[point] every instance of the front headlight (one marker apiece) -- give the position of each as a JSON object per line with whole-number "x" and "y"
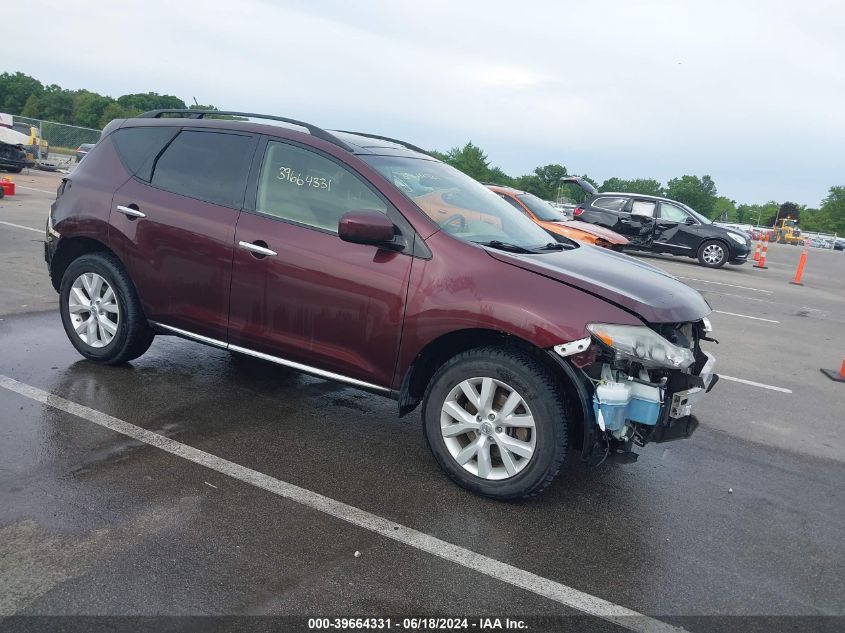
{"x": 642, "y": 344}
{"x": 737, "y": 238}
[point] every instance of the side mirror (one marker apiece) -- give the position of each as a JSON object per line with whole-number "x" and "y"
{"x": 365, "y": 227}
{"x": 690, "y": 222}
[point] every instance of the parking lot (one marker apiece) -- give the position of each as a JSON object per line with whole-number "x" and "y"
{"x": 196, "y": 483}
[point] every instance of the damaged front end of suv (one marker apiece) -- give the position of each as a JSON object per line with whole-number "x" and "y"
{"x": 644, "y": 383}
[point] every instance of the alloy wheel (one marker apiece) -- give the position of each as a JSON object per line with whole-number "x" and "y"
{"x": 93, "y": 310}
{"x": 488, "y": 428}
{"x": 713, "y": 254}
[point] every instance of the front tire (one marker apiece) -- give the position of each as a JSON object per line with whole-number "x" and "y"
{"x": 496, "y": 422}
{"x": 100, "y": 310}
{"x": 713, "y": 254}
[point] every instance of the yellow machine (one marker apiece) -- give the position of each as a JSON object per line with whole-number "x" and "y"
{"x": 786, "y": 231}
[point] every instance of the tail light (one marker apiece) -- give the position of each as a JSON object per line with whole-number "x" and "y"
{"x": 578, "y": 211}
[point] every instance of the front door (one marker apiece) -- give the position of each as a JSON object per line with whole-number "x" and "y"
{"x": 173, "y": 226}
{"x": 672, "y": 234}
{"x": 300, "y": 293}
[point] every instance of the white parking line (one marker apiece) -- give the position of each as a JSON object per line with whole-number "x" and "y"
{"x": 719, "y": 283}
{"x": 456, "y": 554}
{"x": 755, "y": 384}
{"x": 52, "y": 193}
{"x": 745, "y": 316}
{"x": 21, "y": 226}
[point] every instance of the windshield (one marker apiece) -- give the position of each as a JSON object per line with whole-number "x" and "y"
{"x": 542, "y": 209}
{"x": 458, "y": 204}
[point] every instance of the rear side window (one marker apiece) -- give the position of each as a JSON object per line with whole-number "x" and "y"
{"x": 138, "y": 147}
{"x": 643, "y": 207}
{"x": 304, "y": 187}
{"x": 610, "y": 204}
{"x": 209, "y": 166}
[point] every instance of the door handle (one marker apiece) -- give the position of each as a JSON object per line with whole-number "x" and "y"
{"x": 132, "y": 213}
{"x": 257, "y": 248}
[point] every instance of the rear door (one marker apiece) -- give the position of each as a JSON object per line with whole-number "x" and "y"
{"x": 672, "y": 234}
{"x": 637, "y": 222}
{"x": 173, "y": 226}
{"x": 299, "y": 293}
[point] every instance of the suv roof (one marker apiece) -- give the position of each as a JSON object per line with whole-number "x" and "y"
{"x": 354, "y": 142}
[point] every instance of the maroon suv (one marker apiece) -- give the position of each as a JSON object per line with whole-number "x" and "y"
{"x": 364, "y": 260}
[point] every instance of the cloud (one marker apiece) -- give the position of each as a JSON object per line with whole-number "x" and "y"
{"x": 750, "y": 93}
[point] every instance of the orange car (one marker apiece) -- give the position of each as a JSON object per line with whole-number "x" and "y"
{"x": 555, "y": 222}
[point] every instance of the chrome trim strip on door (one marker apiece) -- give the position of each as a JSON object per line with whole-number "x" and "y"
{"x": 255, "y": 248}
{"x": 308, "y": 369}
{"x": 689, "y": 248}
{"x": 130, "y": 212}
{"x": 191, "y": 335}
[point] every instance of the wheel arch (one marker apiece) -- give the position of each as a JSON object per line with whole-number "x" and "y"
{"x": 441, "y": 349}
{"x": 68, "y": 250}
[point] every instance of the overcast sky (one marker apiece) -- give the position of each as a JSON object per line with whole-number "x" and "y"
{"x": 752, "y": 93}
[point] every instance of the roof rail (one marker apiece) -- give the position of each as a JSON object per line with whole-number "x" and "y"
{"x": 199, "y": 114}
{"x": 391, "y": 140}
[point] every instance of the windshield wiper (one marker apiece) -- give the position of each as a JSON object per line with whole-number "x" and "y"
{"x": 505, "y": 246}
{"x": 556, "y": 246}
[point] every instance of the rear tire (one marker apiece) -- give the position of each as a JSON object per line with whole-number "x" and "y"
{"x": 486, "y": 444}
{"x": 713, "y": 254}
{"x": 100, "y": 310}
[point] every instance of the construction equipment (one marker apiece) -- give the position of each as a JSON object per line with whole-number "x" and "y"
{"x": 786, "y": 231}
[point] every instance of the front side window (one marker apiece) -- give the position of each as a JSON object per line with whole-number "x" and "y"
{"x": 511, "y": 202}
{"x": 610, "y": 204}
{"x": 208, "y": 166}
{"x": 301, "y": 186}
{"x": 672, "y": 212}
{"x": 643, "y": 207}
{"x": 460, "y": 205}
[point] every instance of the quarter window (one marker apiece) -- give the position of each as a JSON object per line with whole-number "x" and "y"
{"x": 304, "y": 187}
{"x": 643, "y": 207}
{"x": 138, "y": 146}
{"x": 672, "y": 212}
{"x": 209, "y": 166}
{"x": 610, "y": 204}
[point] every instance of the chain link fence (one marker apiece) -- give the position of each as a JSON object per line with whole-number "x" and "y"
{"x": 54, "y": 142}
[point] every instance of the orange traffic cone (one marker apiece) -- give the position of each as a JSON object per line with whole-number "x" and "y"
{"x": 802, "y": 261}
{"x": 831, "y": 373}
{"x": 757, "y": 249}
{"x": 761, "y": 263}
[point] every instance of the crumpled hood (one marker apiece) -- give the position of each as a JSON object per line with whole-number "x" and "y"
{"x": 653, "y": 295}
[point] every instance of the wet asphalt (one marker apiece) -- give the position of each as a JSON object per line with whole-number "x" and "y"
{"x": 744, "y": 519}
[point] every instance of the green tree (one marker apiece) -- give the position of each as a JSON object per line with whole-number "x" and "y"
{"x": 499, "y": 177}
{"x": 763, "y": 214}
{"x": 645, "y": 186}
{"x": 831, "y": 215}
{"x": 143, "y": 102}
{"x": 89, "y": 107}
{"x": 32, "y": 107}
{"x": 16, "y": 89}
{"x": 57, "y": 104}
{"x": 471, "y": 160}
{"x": 725, "y": 210}
{"x": 695, "y": 192}
{"x": 547, "y": 184}
{"x": 111, "y": 112}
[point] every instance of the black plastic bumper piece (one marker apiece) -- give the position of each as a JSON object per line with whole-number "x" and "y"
{"x": 675, "y": 429}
